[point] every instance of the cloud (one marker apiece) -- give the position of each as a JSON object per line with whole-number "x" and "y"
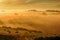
{"x": 32, "y": 4}
{"x": 23, "y": 2}
{"x": 36, "y": 1}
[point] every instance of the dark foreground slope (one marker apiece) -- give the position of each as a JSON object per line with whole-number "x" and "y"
{"x": 8, "y": 33}
{"x": 30, "y": 26}
{"x": 11, "y": 37}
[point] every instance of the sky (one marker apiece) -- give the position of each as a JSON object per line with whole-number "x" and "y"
{"x": 30, "y": 4}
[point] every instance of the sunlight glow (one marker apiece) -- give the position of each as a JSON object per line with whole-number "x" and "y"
{"x": 1, "y": 0}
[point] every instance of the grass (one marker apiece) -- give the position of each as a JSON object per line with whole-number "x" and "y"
{"x": 23, "y": 34}
{"x": 15, "y": 32}
{"x": 49, "y": 25}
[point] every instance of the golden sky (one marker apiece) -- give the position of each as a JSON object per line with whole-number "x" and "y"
{"x": 30, "y": 4}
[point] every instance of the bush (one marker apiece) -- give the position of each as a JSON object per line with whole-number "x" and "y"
{"x": 7, "y": 37}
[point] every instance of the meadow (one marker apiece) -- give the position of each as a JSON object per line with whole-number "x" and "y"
{"x": 30, "y": 25}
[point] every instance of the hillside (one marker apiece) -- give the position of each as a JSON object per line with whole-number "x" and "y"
{"x": 46, "y": 22}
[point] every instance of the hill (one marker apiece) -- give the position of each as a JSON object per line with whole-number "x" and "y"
{"x": 31, "y": 20}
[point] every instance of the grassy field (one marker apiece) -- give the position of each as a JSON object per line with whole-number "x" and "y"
{"x": 8, "y": 33}
{"x": 31, "y": 24}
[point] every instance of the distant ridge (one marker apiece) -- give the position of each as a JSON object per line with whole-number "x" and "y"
{"x": 53, "y": 10}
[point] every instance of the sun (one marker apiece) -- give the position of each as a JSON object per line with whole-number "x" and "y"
{"x": 2, "y": 0}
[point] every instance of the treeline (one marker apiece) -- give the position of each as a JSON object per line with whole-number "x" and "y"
{"x": 16, "y": 37}
{"x": 7, "y": 27}
{"x": 24, "y": 34}
{"x": 52, "y": 10}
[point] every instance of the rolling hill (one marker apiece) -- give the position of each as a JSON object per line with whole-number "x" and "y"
{"x": 47, "y": 22}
